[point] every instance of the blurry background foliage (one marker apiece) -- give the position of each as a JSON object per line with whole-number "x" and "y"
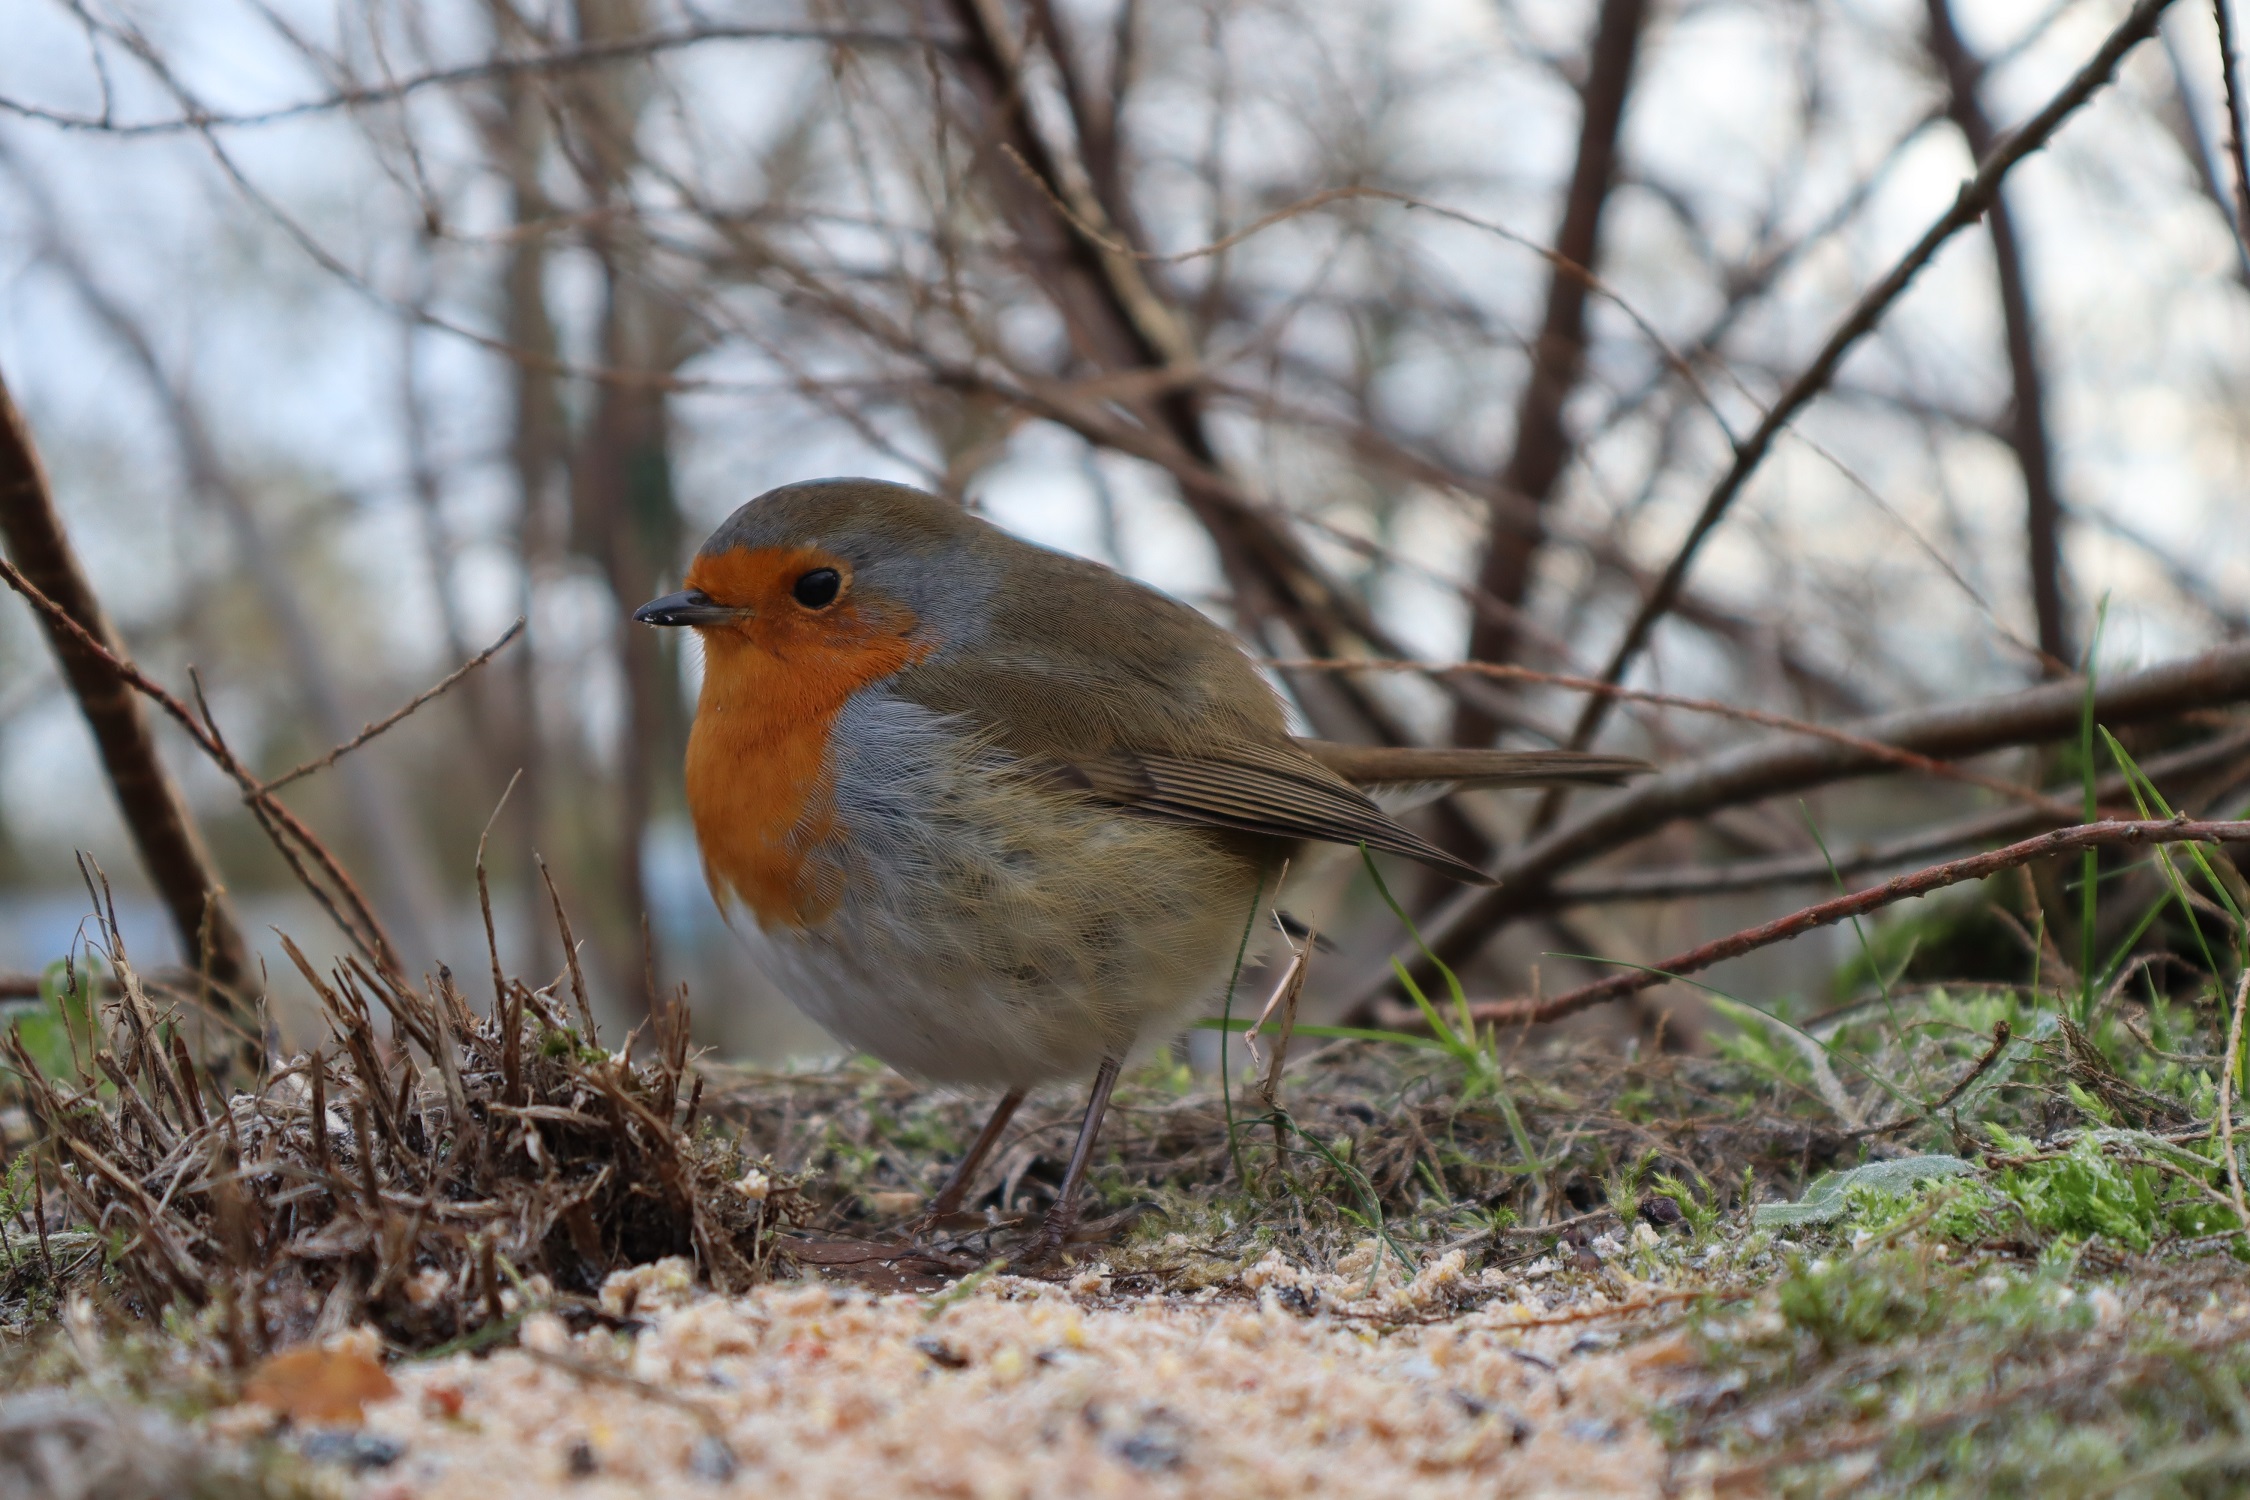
{"x": 351, "y": 329}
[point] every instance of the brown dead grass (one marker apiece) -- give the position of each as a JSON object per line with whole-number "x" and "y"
{"x": 401, "y": 1176}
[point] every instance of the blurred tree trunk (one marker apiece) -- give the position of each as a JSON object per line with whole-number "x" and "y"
{"x": 1543, "y": 445}
{"x": 2027, "y": 417}
{"x": 1118, "y": 319}
{"x": 625, "y": 515}
{"x": 1543, "y": 442}
{"x": 380, "y": 813}
{"x": 629, "y": 522}
{"x": 517, "y": 135}
{"x": 163, "y": 830}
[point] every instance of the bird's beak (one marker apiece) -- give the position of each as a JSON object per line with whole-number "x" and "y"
{"x": 687, "y": 607}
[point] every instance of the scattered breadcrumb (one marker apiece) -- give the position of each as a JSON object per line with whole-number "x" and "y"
{"x": 1017, "y": 1388}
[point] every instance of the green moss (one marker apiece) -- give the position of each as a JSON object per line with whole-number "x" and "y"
{"x": 1846, "y": 1303}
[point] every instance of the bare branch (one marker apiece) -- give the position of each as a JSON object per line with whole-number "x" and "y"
{"x": 285, "y": 828}
{"x": 559, "y": 61}
{"x": 373, "y": 798}
{"x": 2183, "y": 116}
{"x": 1542, "y": 443}
{"x": 322, "y": 762}
{"x": 2228, "y": 751}
{"x": 93, "y": 662}
{"x": 1843, "y": 908}
{"x": 1893, "y": 755}
{"x": 2238, "y": 135}
{"x": 1770, "y": 767}
{"x": 2027, "y": 417}
{"x": 1970, "y": 204}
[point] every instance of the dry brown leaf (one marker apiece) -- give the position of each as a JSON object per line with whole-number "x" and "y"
{"x": 319, "y": 1387}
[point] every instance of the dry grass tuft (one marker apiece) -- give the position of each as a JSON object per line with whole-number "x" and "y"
{"x": 416, "y": 1172}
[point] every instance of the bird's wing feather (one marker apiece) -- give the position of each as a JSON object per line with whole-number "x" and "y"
{"x": 1159, "y": 711}
{"x": 1256, "y": 794}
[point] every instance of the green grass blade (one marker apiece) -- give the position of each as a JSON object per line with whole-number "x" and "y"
{"x": 2089, "y": 864}
{"x": 1466, "y": 1040}
{"x": 2152, "y": 805}
{"x": 1803, "y": 1040}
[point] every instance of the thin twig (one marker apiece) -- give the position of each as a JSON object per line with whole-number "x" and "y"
{"x": 1969, "y": 205}
{"x": 570, "y": 946}
{"x": 87, "y": 649}
{"x": 1286, "y": 994}
{"x": 1769, "y": 767}
{"x": 1827, "y": 913}
{"x": 321, "y": 763}
{"x": 484, "y": 901}
{"x": 2238, "y": 149}
{"x": 1559, "y": 1226}
{"x": 1664, "y": 883}
{"x": 1562, "y": 264}
{"x": 2027, "y": 423}
{"x": 280, "y": 824}
{"x": 590, "y": 55}
{"x": 2000, "y": 1034}
{"x": 368, "y": 934}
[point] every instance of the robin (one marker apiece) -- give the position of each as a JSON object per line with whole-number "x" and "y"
{"x": 993, "y": 813}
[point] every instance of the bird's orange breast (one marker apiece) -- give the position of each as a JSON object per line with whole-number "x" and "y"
{"x": 758, "y": 764}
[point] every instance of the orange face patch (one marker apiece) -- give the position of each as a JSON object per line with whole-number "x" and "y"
{"x": 773, "y": 682}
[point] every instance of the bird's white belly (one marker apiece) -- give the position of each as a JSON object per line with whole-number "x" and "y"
{"x": 995, "y": 929}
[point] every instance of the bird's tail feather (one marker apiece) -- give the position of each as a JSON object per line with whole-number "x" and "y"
{"x": 1414, "y": 765}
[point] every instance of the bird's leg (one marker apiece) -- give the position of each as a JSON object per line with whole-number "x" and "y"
{"x": 1063, "y": 1216}
{"x": 948, "y": 1199}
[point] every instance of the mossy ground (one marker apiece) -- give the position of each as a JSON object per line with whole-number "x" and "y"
{"x": 1941, "y": 1241}
{"x": 2066, "y": 1313}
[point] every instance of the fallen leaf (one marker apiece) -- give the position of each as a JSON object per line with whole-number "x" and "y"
{"x": 313, "y": 1386}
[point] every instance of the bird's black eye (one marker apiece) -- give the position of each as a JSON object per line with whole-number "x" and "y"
{"x": 817, "y": 589}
